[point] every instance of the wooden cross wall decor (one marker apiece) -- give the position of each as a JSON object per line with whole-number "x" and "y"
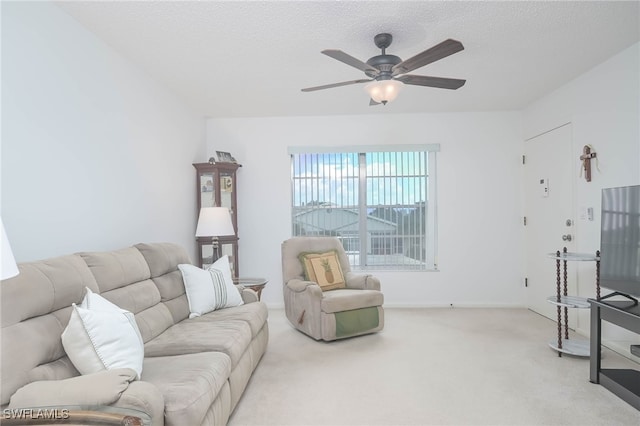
{"x": 586, "y": 157}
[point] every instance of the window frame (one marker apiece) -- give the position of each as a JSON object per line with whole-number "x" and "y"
{"x": 430, "y": 226}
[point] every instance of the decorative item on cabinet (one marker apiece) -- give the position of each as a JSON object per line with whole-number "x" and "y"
{"x": 225, "y": 157}
{"x": 216, "y": 186}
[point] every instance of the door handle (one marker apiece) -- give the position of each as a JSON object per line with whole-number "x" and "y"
{"x": 566, "y": 237}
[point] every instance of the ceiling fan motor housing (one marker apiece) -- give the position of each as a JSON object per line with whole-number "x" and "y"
{"x": 384, "y": 63}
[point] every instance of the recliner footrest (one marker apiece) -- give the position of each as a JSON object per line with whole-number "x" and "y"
{"x": 356, "y": 321}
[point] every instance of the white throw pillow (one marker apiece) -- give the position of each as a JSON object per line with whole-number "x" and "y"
{"x": 101, "y": 336}
{"x": 210, "y": 289}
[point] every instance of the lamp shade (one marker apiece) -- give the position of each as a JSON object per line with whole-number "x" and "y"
{"x": 384, "y": 91}
{"x": 8, "y": 268}
{"x": 214, "y": 222}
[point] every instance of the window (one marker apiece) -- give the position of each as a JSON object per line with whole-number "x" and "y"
{"x": 379, "y": 203}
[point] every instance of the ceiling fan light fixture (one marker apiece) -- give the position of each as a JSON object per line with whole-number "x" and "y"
{"x": 384, "y": 91}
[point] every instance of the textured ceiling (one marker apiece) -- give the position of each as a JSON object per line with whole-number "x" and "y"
{"x": 239, "y": 59}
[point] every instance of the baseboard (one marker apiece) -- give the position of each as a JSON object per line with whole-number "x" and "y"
{"x": 454, "y": 305}
{"x": 430, "y": 305}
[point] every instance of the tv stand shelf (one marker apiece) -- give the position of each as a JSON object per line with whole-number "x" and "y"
{"x": 569, "y": 301}
{"x": 625, "y": 383}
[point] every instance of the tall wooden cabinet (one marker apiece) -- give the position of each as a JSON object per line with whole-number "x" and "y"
{"x": 216, "y": 187}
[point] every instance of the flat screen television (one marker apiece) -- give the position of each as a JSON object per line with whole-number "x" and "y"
{"x": 620, "y": 240}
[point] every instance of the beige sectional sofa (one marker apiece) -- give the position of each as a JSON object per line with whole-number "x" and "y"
{"x": 194, "y": 370}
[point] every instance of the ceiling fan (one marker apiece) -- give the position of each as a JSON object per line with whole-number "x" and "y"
{"x": 388, "y": 73}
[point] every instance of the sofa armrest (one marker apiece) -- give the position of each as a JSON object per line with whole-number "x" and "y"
{"x": 298, "y": 286}
{"x": 75, "y": 415}
{"x": 102, "y": 388}
{"x": 362, "y": 281}
{"x": 145, "y": 397}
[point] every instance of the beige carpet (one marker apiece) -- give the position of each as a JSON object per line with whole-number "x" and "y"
{"x": 430, "y": 367}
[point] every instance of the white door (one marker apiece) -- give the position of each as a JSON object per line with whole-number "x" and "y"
{"x": 549, "y": 174}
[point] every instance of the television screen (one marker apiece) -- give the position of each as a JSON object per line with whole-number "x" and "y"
{"x": 620, "y": 240}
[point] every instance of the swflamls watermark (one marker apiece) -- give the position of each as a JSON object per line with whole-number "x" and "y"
{"x": 35, "y": 413}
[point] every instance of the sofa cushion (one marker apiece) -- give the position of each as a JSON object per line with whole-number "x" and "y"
{"x": 210, "y": 289}
{"x": 102, "y": 388}
{"x": 118, "y": 268}
{"x": 135, "y": 297}
{"x": 163, "y": 260}
{"x": 254, "y": 314}
{"x": 189, "y": 383}
{"x": 43, "y": 287}
{"x": 101, "y": 336}
{"x": 125, "y": 278}
{"x": 143, "y": 299}
{"x": 348, "y": 299}
{"x": 231, "y": 337}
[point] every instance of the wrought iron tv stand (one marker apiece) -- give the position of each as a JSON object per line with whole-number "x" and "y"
{"x": 625, "y": 383}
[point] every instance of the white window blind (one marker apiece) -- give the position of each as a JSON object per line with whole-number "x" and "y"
{"x": 380, "y": 202}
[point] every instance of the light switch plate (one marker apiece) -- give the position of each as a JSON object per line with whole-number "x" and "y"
{"x": 544, "y": 187}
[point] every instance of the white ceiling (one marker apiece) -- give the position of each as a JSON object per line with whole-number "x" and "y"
{"x": 240, "y": 59}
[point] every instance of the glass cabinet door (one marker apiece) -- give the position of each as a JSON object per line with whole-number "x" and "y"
{"x": 206, "y": 255}
{"x": 207, "y": 190}
{"x": 229, "y": 248}
{"x": 227, "y": 186}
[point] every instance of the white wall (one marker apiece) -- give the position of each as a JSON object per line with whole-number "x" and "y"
{"x": 603, "y": 106}
{"x": 95, "y": 155}
{"x": 479, "y": 205}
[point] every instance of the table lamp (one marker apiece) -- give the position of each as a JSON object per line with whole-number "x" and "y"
{"x": 214, "y": 222}
{"x": 8, "y": 268}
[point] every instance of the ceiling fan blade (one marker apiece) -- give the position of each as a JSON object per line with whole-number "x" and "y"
{"x": 440, "y": 82}
{"x": 437, "y": 52}
{"x": 350, "y": 60}
{"x": 329, "y": 86}
{"x": 372, "y": 102}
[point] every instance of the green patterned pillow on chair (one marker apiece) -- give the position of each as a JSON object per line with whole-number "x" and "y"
{"x": 324, "y": 269}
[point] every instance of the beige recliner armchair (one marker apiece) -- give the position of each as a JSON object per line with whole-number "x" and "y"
{"x": 331, "y": 314}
